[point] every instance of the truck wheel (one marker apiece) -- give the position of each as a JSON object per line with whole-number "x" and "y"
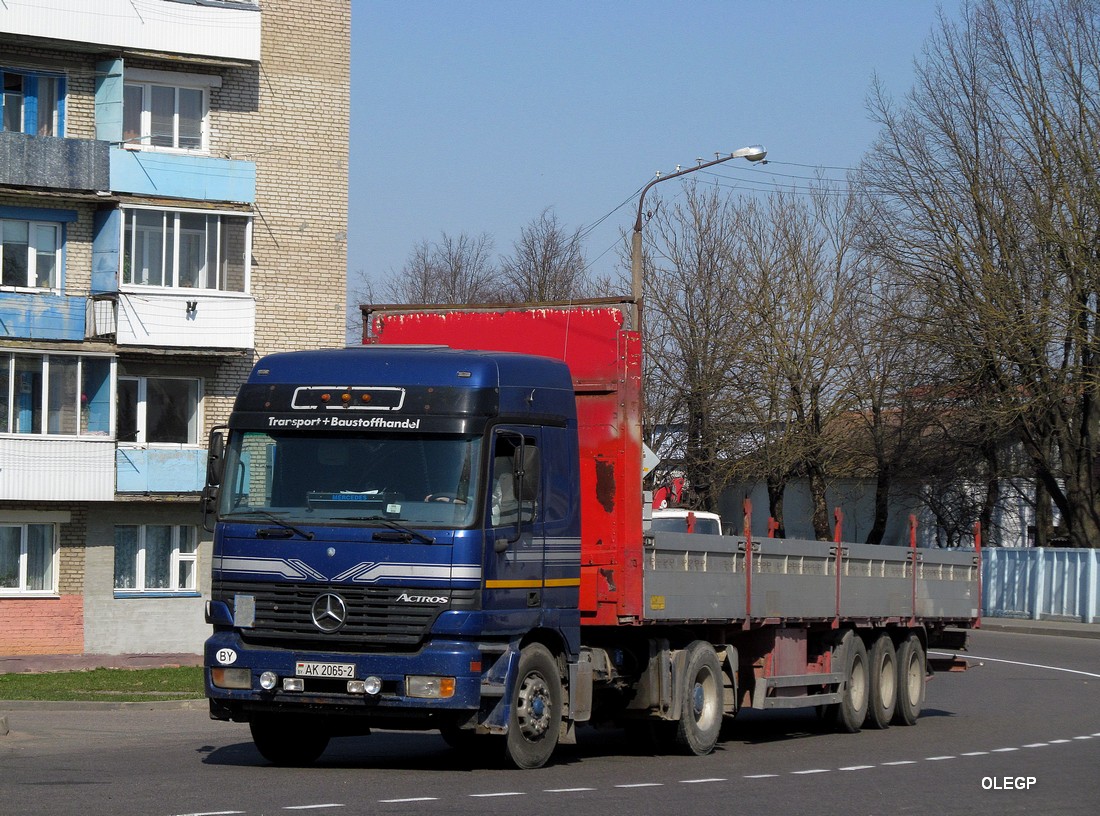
{"x": 910, "y": 681}
{"x": 285, "y": 741}
{"x": 848, "y": 715}
{"x": 701, "y": 701}
{"x": 535, "y": 720}
{"x": 883, "y": 665}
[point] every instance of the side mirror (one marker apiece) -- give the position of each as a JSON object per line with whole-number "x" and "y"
{"x": 209, "y": 503}
{"x": 528, "y": 466}
{"x": 214, "y": 456}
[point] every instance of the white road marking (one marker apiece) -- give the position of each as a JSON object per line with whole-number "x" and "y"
{"x": 1004, "y": 750}
{"x": 975, "y": 753}
{"x": 214, "y": 813}
{"x": 1037, "y": 745}
{"x": 1059, "y": 742}
{"x": 902, "y": 762}
{"x": 857, "y": 767}
{"x": 699, "y": 781}
{"x": 567, "y": 790}
{"x": 761, "y": 776}
{"x": 937, "y": 758}
{"x": 313, "y": 807}
{"x": 502, "y": 793}
{"x": 643, "y": 785}
{"x": 811, "y": 771}
{"x": 1085, "y": 737}
{"x": 1033, "y": 665}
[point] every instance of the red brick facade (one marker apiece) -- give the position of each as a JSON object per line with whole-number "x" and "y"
{"x": 42, "y": 625}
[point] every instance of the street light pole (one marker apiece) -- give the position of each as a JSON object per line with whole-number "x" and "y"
{"x": 754, "y": 153}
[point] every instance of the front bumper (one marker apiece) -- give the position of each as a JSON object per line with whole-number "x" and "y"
{"x": 460, "y": 660}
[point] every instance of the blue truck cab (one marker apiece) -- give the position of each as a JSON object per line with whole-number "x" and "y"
{"x": 396, "y": 544}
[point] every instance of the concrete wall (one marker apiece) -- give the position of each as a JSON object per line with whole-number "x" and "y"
{"x": 135, "y": 625}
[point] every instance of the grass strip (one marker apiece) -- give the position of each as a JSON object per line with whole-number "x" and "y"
{"x": 113, "y": 685}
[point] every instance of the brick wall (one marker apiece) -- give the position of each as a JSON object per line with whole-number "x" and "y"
{"x": 42, "y": 625}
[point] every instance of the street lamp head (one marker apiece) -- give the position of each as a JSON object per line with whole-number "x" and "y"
{"x": 753, "y": 153}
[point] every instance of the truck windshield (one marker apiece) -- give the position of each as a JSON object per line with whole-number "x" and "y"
{"x": 423, "y": 481}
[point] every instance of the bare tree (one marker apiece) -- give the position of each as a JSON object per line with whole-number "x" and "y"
{"x": 547, "y": 263}
{"x": 987, "y": 195}
{"x": 796, "y": 344}
{"x": 456, "y": 269}
{"x": 693, "y": 297}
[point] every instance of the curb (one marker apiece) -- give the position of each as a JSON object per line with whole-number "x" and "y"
{"x": 1030, "y": 627}
{"x": 93, "y": 705}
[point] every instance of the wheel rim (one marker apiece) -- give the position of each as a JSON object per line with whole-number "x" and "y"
{"x": 912, "y": 679}
{"x": 704, "y": 700}
{"x": 533, "y": 707}
{"x": 888, "y": 683}
{"x": 857, "y": 684}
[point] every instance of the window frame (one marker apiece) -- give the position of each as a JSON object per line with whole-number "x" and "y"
{"x": 43, "y": 408}
{"x": 172, "y": 232}
{"x": 33, "y": 252}
{"x": 141, "y": 413}
{"x": 21, "y": 590}
{"x": 31, "y": 96}
{"x": 144, "y": 138}
{"x": 177, "y": 558}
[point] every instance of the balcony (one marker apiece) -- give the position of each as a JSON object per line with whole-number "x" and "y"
{"x": 175, "y": 175}
{"x": 227, "y": 30}
{"x": 34, "y": 315}
{"x": 54, "y": 164}
{"x": 57, "y": 469}
{"x": 156, "y": 470}
{"x": 184, "y": 319}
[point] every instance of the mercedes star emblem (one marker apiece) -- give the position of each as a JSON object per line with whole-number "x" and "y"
{"x": 329, "y": 612}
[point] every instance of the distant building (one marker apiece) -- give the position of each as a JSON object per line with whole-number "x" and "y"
{"x": 173, "y": 204}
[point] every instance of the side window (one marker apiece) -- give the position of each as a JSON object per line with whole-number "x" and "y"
{"x": 514, "y": 491}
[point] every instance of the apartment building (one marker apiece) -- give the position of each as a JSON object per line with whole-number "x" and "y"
{"x": 173, "y": 204}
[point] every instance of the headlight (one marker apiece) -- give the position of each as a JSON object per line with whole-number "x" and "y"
{"x": 231, "y": 678}
{"x": 430, "y": 687}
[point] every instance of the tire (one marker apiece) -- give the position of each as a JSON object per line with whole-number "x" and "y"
{"x": 287, "y": 741}
{"x": 848, "y": 715}
{"x": 535, "y": 720}
{"x": 911, "y": 675}
{"x": 701, "y": 690}
{"x": 882, "y": 665}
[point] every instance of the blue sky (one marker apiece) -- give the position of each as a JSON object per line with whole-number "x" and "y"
{"x": 474, "y": 116}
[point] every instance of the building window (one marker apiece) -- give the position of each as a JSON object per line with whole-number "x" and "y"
{"x": 55, "y": 395}
{"x": 155, "y": 558}
{"x": 33, "y": 103}
{"x": 158, "y": 410}
{"x": 28, "y": 559}
{"x": 30, "y": 254}
{"x": 187, "y": 250}
{"x": 163, "y": 116}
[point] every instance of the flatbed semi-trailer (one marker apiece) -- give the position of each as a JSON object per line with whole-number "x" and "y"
{"x": 443, "y": 530}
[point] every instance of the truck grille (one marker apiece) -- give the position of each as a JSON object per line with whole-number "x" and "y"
{"x": 376, "y": 620}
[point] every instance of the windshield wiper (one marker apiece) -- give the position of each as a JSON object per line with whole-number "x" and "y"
{"x": 407, "y": 533}
{"x": 286, "y": 525}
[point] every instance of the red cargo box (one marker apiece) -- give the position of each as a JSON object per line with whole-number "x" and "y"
{"x": 604, "y": 358}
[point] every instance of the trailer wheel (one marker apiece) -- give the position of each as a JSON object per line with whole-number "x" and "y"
{"x": 286, "y": 742}
{"x": 883, "y": 664}
{"x": 848, "y": 715}
{"x": 701, "y": 703}
{"x": 911, "y": 672}
{"x": 535, "y": 720}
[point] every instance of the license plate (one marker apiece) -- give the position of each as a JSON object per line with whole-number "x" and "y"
{"x": 306, "y": 669}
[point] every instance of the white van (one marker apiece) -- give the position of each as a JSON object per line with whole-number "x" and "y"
{"x": 675, "y": 520}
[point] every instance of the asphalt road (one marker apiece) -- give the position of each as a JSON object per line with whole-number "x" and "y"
{"x": 1019, "y": 734}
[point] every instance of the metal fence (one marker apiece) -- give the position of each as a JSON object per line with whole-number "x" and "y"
{"x": 1041, "y": 583}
